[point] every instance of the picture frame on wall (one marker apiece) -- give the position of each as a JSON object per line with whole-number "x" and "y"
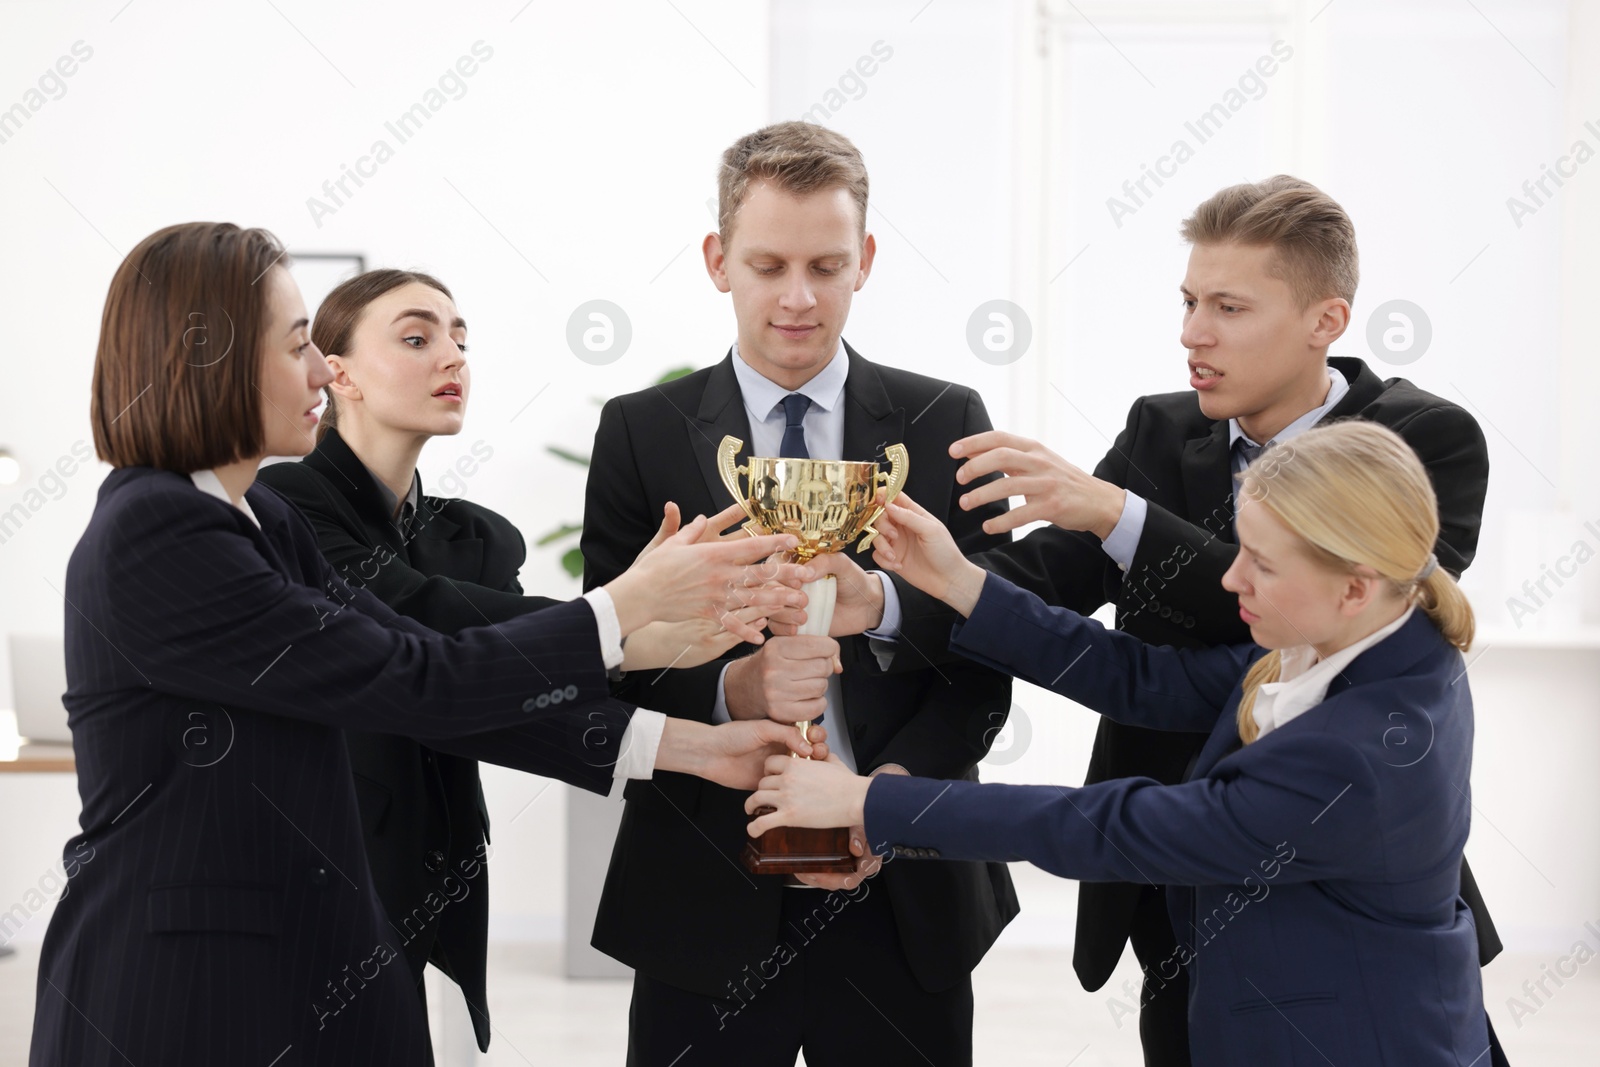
{"x": 316, "y": 273}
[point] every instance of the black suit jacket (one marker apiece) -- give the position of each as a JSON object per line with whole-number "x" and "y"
{"x": 1179, "y": 461}
{"x": 220, "y": 909}
{"x": 422, "y": 811}
{"x": 677, "y": 903}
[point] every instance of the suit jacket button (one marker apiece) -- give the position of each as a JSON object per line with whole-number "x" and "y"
{"x": 1189, "y": 623}
{"x": 319, "y": 876}
{"x": 933, "y": 853}
{"x": 434, "y": 861}
{"x": 571, "y": 692}
{"x": 529, "y": 704}
{"x": 1166, "y": 612}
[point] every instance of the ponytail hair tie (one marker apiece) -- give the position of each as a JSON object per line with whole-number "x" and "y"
{"x": 1427, "y": 568}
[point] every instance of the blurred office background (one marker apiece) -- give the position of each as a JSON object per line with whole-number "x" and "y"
{"x": 551, "y": 162}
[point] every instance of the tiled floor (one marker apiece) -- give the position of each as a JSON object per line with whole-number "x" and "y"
{"x": 1029, "y": 1011}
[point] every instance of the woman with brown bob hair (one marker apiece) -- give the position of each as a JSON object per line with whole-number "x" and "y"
{"x": 214, "y": 659}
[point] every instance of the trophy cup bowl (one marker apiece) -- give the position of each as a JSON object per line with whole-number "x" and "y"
{"x": 827, "y": 505}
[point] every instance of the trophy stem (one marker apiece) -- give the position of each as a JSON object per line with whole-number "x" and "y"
{"x": 792, "y": 850}
{"x": 821, "y": 596}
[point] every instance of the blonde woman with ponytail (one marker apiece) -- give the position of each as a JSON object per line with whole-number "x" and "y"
{"x": 1313, "y": 856}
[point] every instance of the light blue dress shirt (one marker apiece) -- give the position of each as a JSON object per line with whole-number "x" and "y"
{"x": 1123, "y": 541}
{"x": 824, "y": 429}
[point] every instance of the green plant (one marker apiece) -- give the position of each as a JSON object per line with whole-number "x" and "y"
{"x": 572, "y": 558}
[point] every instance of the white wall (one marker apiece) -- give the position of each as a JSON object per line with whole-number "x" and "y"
{"x": 932, "y": 122}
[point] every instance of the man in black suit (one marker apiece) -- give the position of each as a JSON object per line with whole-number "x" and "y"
{"x": 742, "y": 969}
{"x": 1272, "y": 271}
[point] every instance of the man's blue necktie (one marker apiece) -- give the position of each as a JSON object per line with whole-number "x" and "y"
{"x": 794, "y": 439}
{"x": 794, "y": 432}
{"x": 1242, "y": 449}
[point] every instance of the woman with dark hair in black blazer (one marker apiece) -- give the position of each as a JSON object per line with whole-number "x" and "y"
{"x": 214, "y": 660}
{"x": 397, "y": 346}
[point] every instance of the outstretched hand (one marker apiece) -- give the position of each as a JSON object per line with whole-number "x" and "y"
{"x": 858, "y": 603}
{"x": 1053, "y": 489}
{"x": 688, "y": 644}
{"x": 737, "y": 753}
{"x": 672, "y": 522}
{"x": 816, "y": 793}
{"x": 694, "y": 571}
{"x": 918, "y": 547}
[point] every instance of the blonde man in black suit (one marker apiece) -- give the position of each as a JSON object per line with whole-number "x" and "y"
{"x": 745, "y": 969}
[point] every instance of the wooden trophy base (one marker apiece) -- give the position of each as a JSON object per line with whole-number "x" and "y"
{"x": 794, "y": 849}
{"x": 799, "y": 850}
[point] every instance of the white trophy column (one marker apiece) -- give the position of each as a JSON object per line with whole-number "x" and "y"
{"x": 820, "y": 597}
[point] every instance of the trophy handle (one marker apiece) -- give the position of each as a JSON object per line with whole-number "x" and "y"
{"x": 891, "y": 483}
{"x": 727, "y": 453}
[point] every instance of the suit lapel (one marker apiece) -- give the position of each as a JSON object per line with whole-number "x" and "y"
{"x": 333, "y": 459}
{"x": 281, "y": 555}
{"x": 1393, "y": 656}
{"x": 871, "y": 421}
{"x": 1207, "y": 463}
{"x": 721, "y": 414}
{"x": 1365, "y": 387}
{"x": 430, "y": 545}
{"x": 1208, "y": 477}
{"x": 433, "y": 545}
{"x": 438, "y": 527}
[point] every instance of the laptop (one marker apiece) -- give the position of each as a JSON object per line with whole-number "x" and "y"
{"x": 38, "y": 679}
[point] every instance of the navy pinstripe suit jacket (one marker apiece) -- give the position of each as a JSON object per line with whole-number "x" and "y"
{"x": 224, "y": 912}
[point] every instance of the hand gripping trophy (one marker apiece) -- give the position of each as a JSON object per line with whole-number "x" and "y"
{"x": 827, "y": 504}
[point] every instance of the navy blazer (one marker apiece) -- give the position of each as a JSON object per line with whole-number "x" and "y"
{"x": 1314, "y": 875}
{"x": 224, "y": 913}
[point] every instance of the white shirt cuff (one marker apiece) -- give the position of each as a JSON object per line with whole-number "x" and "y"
{"x": 1124, "y": 539}
{"x": 641, "y": 741}
{"x": 889, "y": 628}
{"x": 719, "y": 709}
{"x": 605, "y": 617}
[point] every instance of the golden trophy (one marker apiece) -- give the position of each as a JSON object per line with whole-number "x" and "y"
{"x": 826, "y": 504}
